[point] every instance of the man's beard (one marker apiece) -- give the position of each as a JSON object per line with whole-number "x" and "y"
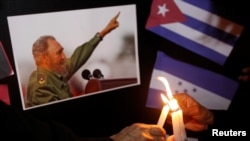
{"x": 62, "y": 70}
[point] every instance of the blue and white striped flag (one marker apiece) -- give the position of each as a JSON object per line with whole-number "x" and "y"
{"x": 195, "y": 25}
{"x": 211, "y": 89}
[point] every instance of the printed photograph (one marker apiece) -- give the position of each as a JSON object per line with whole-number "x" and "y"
{"x": 65, "y": 55}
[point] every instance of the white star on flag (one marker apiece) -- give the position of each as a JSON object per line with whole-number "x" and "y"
{"x": 197, "y": 26}
{"x": 162, "y": 10}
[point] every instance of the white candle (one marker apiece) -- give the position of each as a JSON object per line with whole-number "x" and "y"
{"x": 163, "y": 116}
{"x": 177, "y": 121}
{"x": 178, "y": 126}
{"x": 164, "y": 111}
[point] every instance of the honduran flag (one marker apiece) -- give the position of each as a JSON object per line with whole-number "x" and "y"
{"x": 195, "y": 25}
{"x": 211, "y": 89}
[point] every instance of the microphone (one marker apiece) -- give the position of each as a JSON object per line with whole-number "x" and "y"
{"x": 86, "y": 74}
{"x": 97, "y": 73}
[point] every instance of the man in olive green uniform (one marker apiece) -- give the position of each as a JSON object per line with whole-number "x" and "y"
{"x": 50, "y": 81}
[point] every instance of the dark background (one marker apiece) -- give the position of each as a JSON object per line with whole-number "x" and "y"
{"x": 107, "y": 113}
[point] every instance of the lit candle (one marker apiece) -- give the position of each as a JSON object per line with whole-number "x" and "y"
{"x": 177, "y": 121}
{"x": 177, "y": 115}
{"x": 164, "y": 112}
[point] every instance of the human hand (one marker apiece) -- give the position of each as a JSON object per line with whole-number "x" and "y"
{"x": 245, "y": 74}
{"x": 196, "y": 117}
{"x": 141, "y": 132}
{"x": 170, "y": 138}
{"x": 113, "y": 23}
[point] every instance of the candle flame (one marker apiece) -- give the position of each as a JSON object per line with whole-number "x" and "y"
{"x": 166, "y": 84}
{"x": 173, "y": 104}
{"x": 164, "y": 98}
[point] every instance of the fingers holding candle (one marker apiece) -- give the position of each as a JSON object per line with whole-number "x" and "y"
{"x": 170, "y": 138}
{"x": 196, "y": 116}
{"x": 141, "y": 132}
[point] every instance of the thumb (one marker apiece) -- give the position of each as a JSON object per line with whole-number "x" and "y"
{"x": 170, "y": 138}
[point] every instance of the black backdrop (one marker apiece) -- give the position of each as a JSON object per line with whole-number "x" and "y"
{"x": 107, "y": 113}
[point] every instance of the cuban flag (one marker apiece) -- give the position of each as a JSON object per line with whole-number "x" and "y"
{"x": 196, "y": 26}
{"x": 210, "y": 89}
{"x": 5, "y": 67}
{"x": 4, "y": 94}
